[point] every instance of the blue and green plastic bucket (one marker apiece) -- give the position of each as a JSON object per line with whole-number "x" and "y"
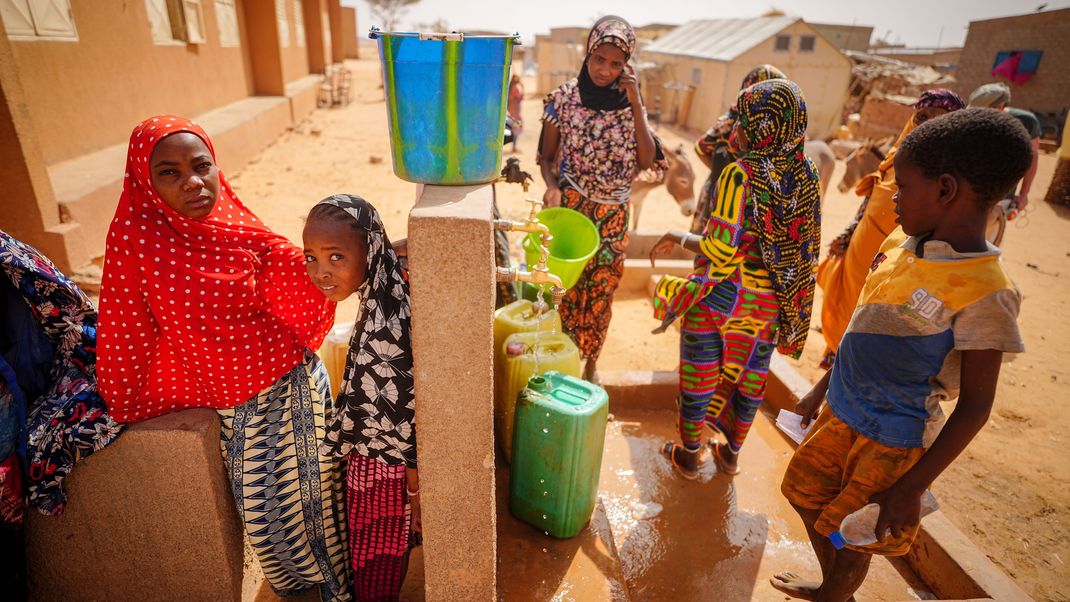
{"x": 446, "y": 99}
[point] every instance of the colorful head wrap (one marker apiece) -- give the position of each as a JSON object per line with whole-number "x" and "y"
{"x": 608, "y": 30}
{"x": 723, "y": 128}
{"x": 761, "y": 73}
{"x": 941, "y": 98}
{"x": 614, "y": 30}
{"x": 783, "y": 200}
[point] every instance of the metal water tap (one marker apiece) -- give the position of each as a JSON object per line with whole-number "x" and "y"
{"x": 540, "y": 274}
{"x": 530, "y": 224}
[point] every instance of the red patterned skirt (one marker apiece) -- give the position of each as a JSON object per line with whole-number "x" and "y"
{"x": 380, "y": 527}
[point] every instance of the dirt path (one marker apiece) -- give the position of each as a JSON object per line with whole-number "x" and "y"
{"x": 1010, "y": 492}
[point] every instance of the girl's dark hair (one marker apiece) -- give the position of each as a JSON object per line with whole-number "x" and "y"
{"x": 989, "y": 149}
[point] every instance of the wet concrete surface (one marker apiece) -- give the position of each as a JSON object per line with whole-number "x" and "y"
{"x": 717, "y": 538}
{"x": 536, "y": 566}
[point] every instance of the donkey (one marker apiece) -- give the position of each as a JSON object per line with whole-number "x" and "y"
{"x": 863, "y": 161}
{"x": 819, "y": 152}
{"x": 679, "y": 180}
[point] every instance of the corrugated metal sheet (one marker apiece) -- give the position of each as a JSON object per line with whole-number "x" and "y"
{"x": 719, "y": 39}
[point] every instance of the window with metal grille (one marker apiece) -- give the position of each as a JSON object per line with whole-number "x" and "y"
{"x": 807, "y": 43}
{"x": 782, "y": 43}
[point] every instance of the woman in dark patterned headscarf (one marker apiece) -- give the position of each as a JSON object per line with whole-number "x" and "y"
{"x": 595, "y": 139}
{"x": 843, "y": 271}
{"x": 714, "y": 149}
{"x": 753, "y": 284}
{"x": 348, "y": 252}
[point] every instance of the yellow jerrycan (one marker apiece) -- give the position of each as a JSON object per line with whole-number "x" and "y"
{"x": 523, "y": 354}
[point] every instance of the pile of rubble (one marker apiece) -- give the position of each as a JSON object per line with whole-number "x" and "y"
{"x": 882, "y": 91}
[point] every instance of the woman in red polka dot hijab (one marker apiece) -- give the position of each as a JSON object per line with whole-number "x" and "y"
{"x": 203, "y": 306}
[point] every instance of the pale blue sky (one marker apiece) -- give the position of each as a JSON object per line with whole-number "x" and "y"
{"x": 912, "y": 22}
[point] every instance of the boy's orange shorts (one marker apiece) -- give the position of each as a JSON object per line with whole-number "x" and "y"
{"x": 836, "y": 470}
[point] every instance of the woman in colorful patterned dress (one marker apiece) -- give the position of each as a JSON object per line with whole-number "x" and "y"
{"x": 753, "y": 284}
{"x": 203, "y": 306}
{"x": 714, "y": 148}
{"x": 843, "y": 271}
{"x": 595, "y": 139}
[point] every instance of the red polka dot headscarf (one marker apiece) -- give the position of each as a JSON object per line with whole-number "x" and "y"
{"x": 197, "y": 312}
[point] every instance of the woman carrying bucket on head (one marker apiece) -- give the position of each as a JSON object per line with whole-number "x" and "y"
{"x": 595, "y": 139}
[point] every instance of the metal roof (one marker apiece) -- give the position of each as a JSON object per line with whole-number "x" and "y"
{"x": 719, "y": 39}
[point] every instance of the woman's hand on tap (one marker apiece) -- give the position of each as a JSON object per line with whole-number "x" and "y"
{"x": 552, "y": 197}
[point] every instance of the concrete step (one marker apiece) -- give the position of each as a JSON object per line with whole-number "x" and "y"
{"x": 641, "y": 241}
{"x": 638, "y": 272}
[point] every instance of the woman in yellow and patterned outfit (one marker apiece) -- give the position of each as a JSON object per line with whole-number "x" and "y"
{"x": 753, "y": 283}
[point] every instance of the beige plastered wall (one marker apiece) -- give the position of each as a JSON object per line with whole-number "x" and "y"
{"x": 707, "y": 103}
{"x": 823, "y": 75}
{"x": 351, "y": 31}
{"x": 85, "y": 95}
{"x": 295, "y": 56}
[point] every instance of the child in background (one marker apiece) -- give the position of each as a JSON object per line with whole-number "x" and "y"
{"x": 347, "y": 251}
{"x": 935, "y": 316}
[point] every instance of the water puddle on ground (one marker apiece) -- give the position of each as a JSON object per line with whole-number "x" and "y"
{"x": 657, "y": 536}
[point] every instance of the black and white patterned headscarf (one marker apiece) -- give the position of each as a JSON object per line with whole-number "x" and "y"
{"x": 375, "y": 409}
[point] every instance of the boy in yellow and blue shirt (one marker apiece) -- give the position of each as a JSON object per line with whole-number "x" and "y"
{"x": 933, "y": 320}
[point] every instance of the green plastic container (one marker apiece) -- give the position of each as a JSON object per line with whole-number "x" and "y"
{"x": 574, "y": 244}
{"x": 559, "y": 434}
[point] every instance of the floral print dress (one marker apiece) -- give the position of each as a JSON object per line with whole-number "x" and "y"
{"x": 53, "y": 422}
{"x": 599, "y": 159}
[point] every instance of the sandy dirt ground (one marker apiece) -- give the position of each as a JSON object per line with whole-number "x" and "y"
{"x": 1010, "y": 491}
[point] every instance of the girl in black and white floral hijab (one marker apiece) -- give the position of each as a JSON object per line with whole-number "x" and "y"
{"x": 347, "y": 251}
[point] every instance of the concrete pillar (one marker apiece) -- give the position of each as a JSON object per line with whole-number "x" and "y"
{"x": 317, "y": 35}
{"x": 351, "y": 32}
{"x": 30, "y": 212}
{"x": 338, "y": 43}
{"x": 149, "y": 517}
{"x": 452, "y": 264}
{"x": 265, "y": 51}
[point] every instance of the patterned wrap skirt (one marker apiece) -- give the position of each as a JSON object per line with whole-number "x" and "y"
{"x": 588, "y": 306}
{"x": 290, "y": 498}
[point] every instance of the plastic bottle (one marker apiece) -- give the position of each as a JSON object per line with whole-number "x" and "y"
{"x": 857, "y": 528}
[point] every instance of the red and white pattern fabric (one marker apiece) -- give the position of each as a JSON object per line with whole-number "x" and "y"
{"x": 197, "y": 312}
{"x": 380, "y": 527}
